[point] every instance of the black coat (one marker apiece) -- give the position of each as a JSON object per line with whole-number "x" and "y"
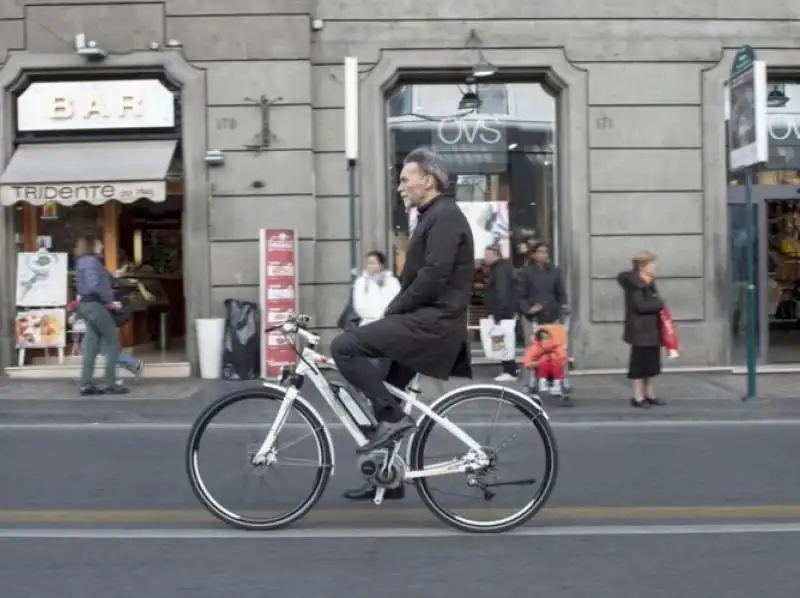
{"x": 543, "y": 285}
{"x": 500, "y": 294}
{"x": 425, "y": 326}
{"x": 642, "y": 306}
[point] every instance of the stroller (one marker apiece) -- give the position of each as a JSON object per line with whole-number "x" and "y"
{"x": 560, "y": 333}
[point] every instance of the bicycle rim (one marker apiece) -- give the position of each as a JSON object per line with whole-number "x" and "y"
{"x": 531, "y": 507}
{"x": 266, "y": 519}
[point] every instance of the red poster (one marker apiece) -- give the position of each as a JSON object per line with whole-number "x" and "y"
{"x": 278, "y": 267}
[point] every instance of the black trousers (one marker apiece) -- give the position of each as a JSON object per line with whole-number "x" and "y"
{"x": 357, "y": 364}
{"x": 510, "y": 367}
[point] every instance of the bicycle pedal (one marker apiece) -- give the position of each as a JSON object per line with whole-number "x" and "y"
{"x": 379, "y": 492}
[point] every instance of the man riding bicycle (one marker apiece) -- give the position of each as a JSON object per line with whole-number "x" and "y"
{"x": 424, "y": 329}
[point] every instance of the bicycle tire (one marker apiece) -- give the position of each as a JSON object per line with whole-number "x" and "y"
{"x": 227, "y": 516}
{"x": 542, "y": 425}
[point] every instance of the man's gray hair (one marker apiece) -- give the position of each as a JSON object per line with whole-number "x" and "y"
{"x": 430, "y": 163}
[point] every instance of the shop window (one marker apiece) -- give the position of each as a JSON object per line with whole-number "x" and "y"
{"x": 399, "y": 101}
{"x": 501, "y": 160}
{"x": 494, "y": 98}
{"x": 776, "y": 246}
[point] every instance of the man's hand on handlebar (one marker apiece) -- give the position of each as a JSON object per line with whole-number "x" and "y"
{"x": 293, "y": 321}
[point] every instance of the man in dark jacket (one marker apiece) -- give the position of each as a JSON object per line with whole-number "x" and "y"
{"x": 424, "y": 329}
{"x": 542, "y": 294}
{"x": 500, "y": 298}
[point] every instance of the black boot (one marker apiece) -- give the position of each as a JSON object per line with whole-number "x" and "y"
{"x": 386, "y": 433}
{"x": 367, "y": 492}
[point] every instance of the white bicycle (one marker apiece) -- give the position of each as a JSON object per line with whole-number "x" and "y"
{"x": 477, "y": 463}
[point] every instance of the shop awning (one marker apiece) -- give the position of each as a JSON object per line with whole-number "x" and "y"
{"x": 94, "y": 172}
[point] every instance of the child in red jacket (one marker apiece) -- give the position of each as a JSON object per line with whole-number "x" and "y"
{"x": 549, "y": 359}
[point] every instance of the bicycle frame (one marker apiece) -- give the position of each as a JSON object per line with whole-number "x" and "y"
{"x": 308, "y": 367}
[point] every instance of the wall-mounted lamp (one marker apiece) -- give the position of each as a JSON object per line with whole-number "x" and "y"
{"x": 89, "y": 50}
{"x": 215, "y": 158}
{"x": 482, "y": 69}
{"x": 470, "y": 97}
{"x": 777, "y": 98}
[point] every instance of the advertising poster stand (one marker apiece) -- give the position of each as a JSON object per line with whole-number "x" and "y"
{"x": 278, "y": 281}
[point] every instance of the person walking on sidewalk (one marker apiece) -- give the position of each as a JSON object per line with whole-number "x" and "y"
{"x": 95, "y": 309}
{"x": 121, "y": 316}
{"x": 642, "y": 327}
{"x": 501, "y": 300}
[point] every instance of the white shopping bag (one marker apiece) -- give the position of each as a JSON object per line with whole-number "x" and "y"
{"x": 498, "y": 339}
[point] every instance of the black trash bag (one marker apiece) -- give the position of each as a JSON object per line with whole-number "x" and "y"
{"x": 241, "y": 349}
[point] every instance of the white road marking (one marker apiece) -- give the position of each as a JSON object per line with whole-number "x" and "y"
{"x": 576, "y": 425}
{"x": 392, "y": 533}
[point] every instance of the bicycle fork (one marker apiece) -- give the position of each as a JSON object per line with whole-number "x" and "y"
{"x": 265, "y": 454}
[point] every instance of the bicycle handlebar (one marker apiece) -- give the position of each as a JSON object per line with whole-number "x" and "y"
{"x": 296, "y": 324}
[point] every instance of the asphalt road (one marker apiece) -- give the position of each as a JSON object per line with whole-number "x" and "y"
{"x": 120, "y": 475}
{"x": 660, "y": 509}
{"x": 664, "y": 566}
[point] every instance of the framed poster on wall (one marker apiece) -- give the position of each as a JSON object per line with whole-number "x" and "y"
{"x": 278, "y": 295}
{"x": 41, "y": 329}
{"x": 41, "y": 279}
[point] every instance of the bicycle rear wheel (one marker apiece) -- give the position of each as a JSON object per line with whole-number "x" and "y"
{"x": 215, "y": 423}
{"x": 531, "y": 419}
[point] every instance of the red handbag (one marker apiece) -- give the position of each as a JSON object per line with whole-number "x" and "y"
{"x": 669, "y": 336}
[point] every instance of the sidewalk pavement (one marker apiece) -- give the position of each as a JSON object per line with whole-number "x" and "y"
{"x": 689, "y": 396}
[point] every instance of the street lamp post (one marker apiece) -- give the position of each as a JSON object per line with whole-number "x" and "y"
{"x": 351, "y": 153}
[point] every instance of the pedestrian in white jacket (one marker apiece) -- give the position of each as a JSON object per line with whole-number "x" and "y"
{"x": 374, "y": 290}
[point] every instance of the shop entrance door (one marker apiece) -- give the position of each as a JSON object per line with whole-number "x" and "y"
{"x": 777, "y": 213}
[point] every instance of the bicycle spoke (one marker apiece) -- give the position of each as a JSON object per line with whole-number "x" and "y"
{"x": 291, "y": 444}
{"x": 494, "y": 422}
{"x": 296, "y": 462}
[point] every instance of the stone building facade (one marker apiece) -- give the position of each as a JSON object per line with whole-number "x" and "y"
{"x": 640, "y": 142}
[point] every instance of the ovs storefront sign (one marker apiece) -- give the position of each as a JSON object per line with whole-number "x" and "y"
{"x": 485, "y": 130}
{"x": 95, "y": 105}
{"x": 784, "y": 127}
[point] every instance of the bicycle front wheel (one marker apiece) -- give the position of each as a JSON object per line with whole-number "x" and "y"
{"x": 512, "y": 432}
{"x": 219, "y": 460}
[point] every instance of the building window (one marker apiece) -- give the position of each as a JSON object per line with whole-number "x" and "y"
{"x": 501, "y": 160}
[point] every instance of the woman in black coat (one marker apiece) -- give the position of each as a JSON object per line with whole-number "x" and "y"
{"x": 642, "y": 327}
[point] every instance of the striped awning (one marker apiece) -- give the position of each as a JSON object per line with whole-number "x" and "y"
{"x": 92, "y": 172}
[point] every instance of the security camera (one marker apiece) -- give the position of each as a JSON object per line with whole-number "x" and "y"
{"x": 215, "y": 158}
{"x": 89, "y": 50}
{"x": 93, "y": 53}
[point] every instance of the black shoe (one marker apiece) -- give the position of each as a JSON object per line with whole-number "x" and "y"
{"x": 367, "y": 492}
{"x": 87, "y": 390}
{"x": 367, "y": 431}
{"x": 115, "y": 389}
{"x": 643, "y": 404}
{"x": 656, "y": 402}
{"x": 386, "y": 433}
